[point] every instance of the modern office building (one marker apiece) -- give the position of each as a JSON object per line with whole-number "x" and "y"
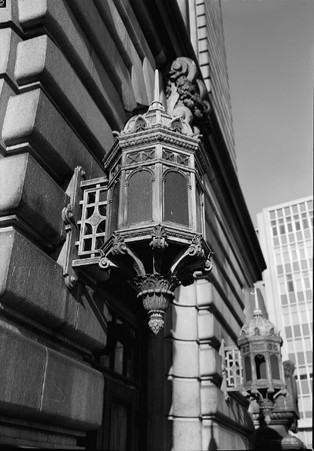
{"x": 286, "y": 237}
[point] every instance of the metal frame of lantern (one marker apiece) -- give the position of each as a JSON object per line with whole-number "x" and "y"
{"x": 149, "y": 204}
{"x": 156, "y": 234}
{"x": 263, "y": 374}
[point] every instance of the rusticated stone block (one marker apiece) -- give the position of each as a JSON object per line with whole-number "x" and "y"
{"x": 209, "y": 329}
{"x": 186, "y": 397}
{"x": 8, "y": 43}
{"x": 7, "y": 13}
{"x": 73, "y": 392}
{"x": 186, "y": 434}
{"x": 185, "y": 359}
{"x": 83, "y": 325}
{"x": 213, "y": 403}
{"x": 5, "y": 93}
{"x": 38, "y": 204}
{"x": 22, "y": 373}
{"x": 207, "y": 295}
{"x": 56, "y": 18}
{"x": 93, "y": 25}
{"x": 186, "y": 296}
{"x": 210, "y": 362}
{"x": 39, "y": 59}
{"x": 184, "y": 322}
{"x": 30, "y": 281}
{"x": 32, "y": 284}
{"x": 28, "y": 126}
{"x": 44, "y": 385}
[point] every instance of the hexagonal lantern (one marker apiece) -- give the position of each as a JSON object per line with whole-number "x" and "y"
{"x": 263, "y": 373}
{"x": 155, "y": 207}
{"x": 149, "y": 203}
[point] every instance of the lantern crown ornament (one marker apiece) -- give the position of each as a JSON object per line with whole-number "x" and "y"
{"x": 155, "y": 219}
{"x": 263, "y": 374}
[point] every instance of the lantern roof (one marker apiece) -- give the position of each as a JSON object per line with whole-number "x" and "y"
{"x": 157, "y": 117}
{"x": 258, "y": 325}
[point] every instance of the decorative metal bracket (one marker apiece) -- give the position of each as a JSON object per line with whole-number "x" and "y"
{"x": 71, "y": 215}
{"x": 156, "y": 276}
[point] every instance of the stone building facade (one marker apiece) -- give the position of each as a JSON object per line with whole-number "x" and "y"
{"x": 80, "y": 368}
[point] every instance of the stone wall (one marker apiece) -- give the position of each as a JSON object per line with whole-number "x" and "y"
{"x": 70, "y": 73}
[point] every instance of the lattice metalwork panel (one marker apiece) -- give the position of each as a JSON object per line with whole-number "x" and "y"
{"x": 233, "y": 367}
{"x": 93, "y": 219}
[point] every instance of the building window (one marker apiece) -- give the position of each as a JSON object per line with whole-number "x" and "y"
{"x": 292, "y": 298}
{"x": 290, "y": 286}
{"x": 272, "y": 214}
{"x": 120, "y": 352}
{"x": 276, "y": 241}
{"x": 282, "y": 229}
{"x": 284, "y": 300}
{"x": 305, "y": 329}
{"x": 288, "y": 332}
{"x": 301, "y": 359}
{"x": 309, "y": 357}
{"x": 279, "y": 270}
{"x": 297, "y": 331}
{"x": 300, "y": 296}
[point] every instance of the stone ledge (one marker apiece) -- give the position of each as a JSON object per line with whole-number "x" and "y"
{"x": 55, "y": 18}
{"x": 39, "y": 59}
{"x": 5, "y": 93}
{"x": 38, "y": 204}
{"x": 27, "y": 127}
{"x": 44, "y": 385}
{"x": 32, "y": 284}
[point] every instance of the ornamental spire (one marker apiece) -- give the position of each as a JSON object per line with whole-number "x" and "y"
{"x": 156, "y": 103}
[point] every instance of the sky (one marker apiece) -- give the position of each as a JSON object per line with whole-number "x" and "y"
{"x": 270, "y": 58}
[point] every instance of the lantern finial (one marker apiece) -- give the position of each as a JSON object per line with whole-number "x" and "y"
{"x": 156, "y": 103}
{"x": 257, "y": 310}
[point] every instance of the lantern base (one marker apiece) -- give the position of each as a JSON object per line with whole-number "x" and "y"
{"x": 156, "y": 293}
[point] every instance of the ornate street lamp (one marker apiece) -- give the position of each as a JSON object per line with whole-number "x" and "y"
{"x": 263, "y": 374}
{"x": 155, "y": 220}
{"x": 145, "y": 219}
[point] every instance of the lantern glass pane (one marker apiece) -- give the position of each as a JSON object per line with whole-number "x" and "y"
{"x": 176, "y": 198}
{"x": 260, "y": 366}
{"x": 248, "y": 370}
{"x": 115, "y": 207}
{"x": 274, "y": 365}
{"x": 140, "y": 197}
